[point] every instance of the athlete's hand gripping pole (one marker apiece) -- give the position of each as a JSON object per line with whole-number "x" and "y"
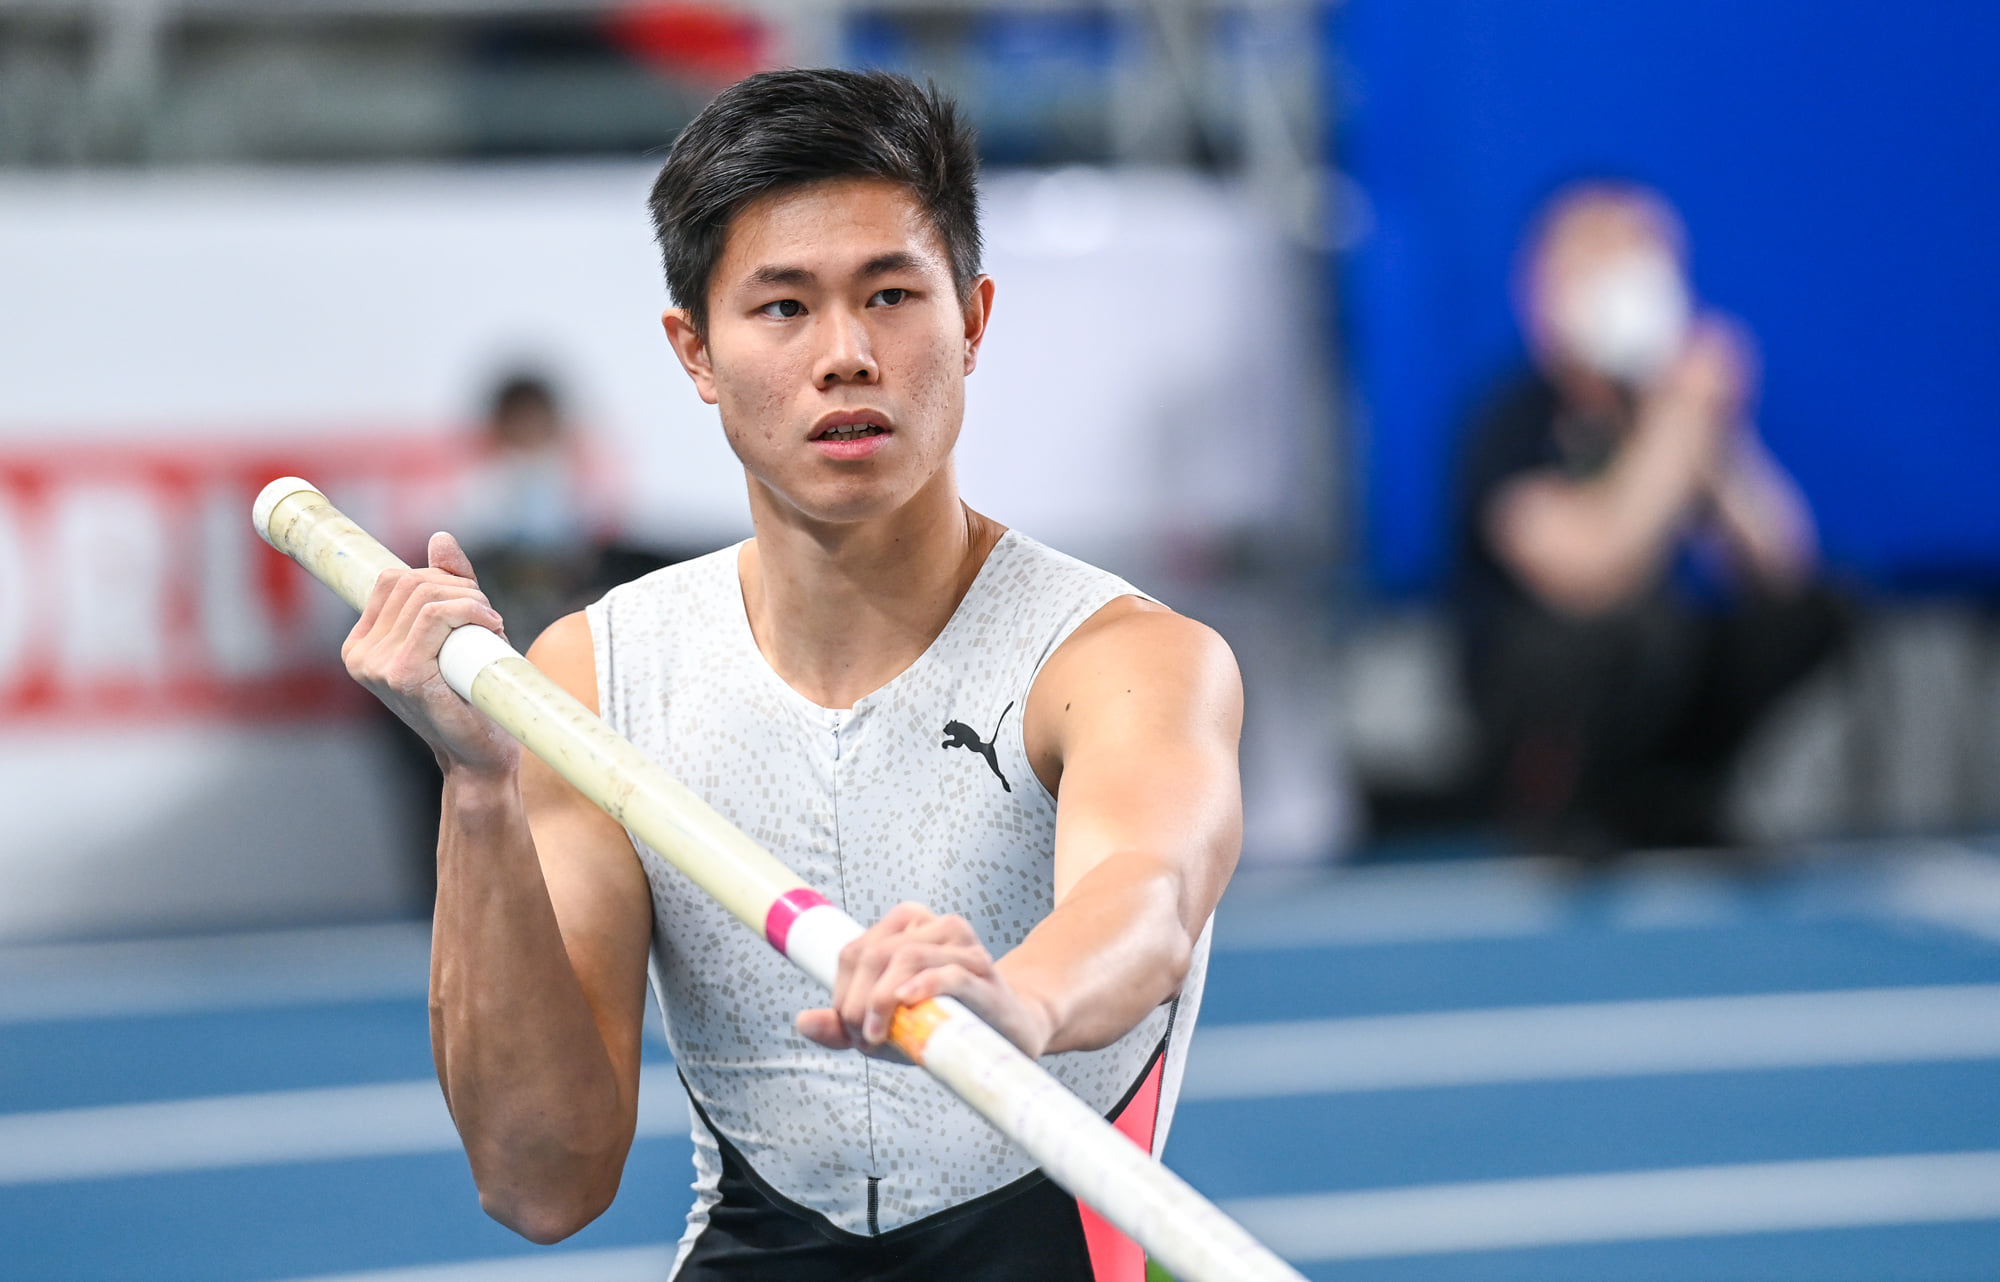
{"x": 1075, "y": 1146}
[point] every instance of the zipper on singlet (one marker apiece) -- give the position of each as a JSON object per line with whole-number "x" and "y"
{"x": 867, "y": 1078}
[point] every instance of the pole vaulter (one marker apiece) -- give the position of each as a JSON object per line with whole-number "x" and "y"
{"x": 1074, "y": 1145}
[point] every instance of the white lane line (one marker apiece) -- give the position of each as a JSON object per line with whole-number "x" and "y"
{"x": 214, "y": 972}
{"x": 1947, "y": 886}
{"x": 622, "y": 1264}
{"x": 381, "y": 1120}
{"x": 1595, "y": 1039}
{"x": 1701, "y": 1201}
{"x": 1392, "y": 904}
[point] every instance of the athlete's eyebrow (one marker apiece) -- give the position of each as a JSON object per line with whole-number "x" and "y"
{"x": 897, "y": 260}
{"x": 779, "y": 275}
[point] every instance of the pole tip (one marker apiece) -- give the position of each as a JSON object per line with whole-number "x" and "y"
{"x": 268, "y": 499}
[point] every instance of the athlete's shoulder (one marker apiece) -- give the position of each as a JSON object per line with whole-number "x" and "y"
{"x": 565, "y": 653}
{"x": 1137, "y": 633}
{"x": 1130, "y": 644}
{"x": 1135, "y": 679}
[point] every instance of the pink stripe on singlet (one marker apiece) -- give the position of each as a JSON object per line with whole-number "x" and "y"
{"x": 786, "y": 909}
{"x": 1113, "y": 1256}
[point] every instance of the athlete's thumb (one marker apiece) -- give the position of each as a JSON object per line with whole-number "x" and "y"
{"x": 446, "y": 555}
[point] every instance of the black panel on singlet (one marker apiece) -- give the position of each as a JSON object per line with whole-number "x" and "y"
{"x": 1027, "y": 1229}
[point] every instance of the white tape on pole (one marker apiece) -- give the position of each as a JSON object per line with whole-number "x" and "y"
{"x": 815, "y": 941}
{"x": 1077, "y": 1148}
{"x": 467, "y": 652}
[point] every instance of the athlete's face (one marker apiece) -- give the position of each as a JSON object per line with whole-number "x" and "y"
{"x": 837, "y": 348}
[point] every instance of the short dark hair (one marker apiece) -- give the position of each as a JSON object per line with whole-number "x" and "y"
{"x": 781, "y": 129}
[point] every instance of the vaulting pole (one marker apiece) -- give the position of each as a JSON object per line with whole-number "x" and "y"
{"x": 1066, "y": 1137}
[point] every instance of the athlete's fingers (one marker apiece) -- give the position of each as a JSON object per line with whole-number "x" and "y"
{"x": 907, "y": 915}
{"x": 876, "y": 950}
{"x": 913, "y": 987}
{"x": 871, "y": 1000}
{"x": 403, "y": 669}
{"x": 910, "y": 961}
{"x": 919, "y": 954}
{"x": 385, "y": 611}
{"x": 402, "y": 654}
{"x": 378, "y": 596}
{"x": 823, "y": 1026}
{"x": 863, "y": 960}
{"x": 893, "y": 922}
{"x": 951, "y": 980}
{"x": 969, "y": 976}
{"x": 857, "y": 1004}
{"x": 395, "y": 602}
{"x": 426, "y": 586}
{"x": 414, "y": 661}
{"x": 389, "y": 604}
{"x": 861, "y": 963}
{"x": 948, "y": 929}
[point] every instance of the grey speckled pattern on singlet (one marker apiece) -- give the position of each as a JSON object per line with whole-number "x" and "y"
{"x": 871, "y": 809}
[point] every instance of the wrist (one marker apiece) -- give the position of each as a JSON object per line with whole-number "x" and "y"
{"x": 1044, "y": 1027}
{"x": 1037, "y": 1020}
{"x": 478, "y": 790}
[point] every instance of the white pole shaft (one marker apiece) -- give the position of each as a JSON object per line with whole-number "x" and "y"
{"x": 1069, "y": 1140}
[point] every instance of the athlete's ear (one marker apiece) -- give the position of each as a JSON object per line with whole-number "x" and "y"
{"x": 692, "y": 349}
{"x": 978, "y": 310}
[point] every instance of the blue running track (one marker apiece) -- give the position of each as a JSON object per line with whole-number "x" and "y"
{"x": 1454, "y": 1071}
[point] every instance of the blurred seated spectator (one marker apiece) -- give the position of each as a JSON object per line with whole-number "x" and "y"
{"x": 529, "y": 520}
{"x": 524, "y": 519}
{"x": 1636, "y": 573}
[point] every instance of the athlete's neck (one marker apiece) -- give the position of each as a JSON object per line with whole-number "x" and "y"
{"x": 839, "y": 610}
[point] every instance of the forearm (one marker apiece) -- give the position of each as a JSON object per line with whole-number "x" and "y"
{"x": 1764, "y": 518}
{"x": 1588, "y": 546}
{"x": 1654, "y": 485}
{"x": 1114, "y": 949}
{"x": 526, "y": 1072}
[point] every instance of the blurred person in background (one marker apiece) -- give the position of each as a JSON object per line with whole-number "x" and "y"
{"x": 530, "y": 511}
{"x": 1637, "y": 575}
{"x": 525, "y": 513}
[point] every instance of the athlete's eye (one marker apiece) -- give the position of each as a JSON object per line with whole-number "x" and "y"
{"x": 784, "y": 308}
{"x": 891, "y": 297}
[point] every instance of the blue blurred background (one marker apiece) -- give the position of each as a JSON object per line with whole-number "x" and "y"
{"x": 1834, "y": 165}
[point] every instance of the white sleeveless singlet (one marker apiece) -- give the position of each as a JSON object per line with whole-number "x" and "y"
{"x": 921, "y": 791}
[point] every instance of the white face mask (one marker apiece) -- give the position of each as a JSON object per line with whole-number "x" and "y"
{"x": 1628, "y": 319}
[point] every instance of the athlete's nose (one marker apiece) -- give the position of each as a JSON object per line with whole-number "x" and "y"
{"x": 846, "y": 355}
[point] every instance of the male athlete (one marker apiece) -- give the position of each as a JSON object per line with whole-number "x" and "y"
{"x": 887, "y": 689}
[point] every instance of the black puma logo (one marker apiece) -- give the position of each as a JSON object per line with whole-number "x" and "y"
{"x": 960, "y": 735}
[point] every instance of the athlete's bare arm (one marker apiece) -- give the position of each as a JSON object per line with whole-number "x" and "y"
{"x": 538, "y": 956}
{"x": 1133, "y": 724}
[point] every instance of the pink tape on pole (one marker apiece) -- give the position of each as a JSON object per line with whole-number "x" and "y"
{"x": 786, "y": 909}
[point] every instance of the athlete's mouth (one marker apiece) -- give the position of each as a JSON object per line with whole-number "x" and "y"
{"x": 850, "y": 432}
{"x": 851, "y": 425}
